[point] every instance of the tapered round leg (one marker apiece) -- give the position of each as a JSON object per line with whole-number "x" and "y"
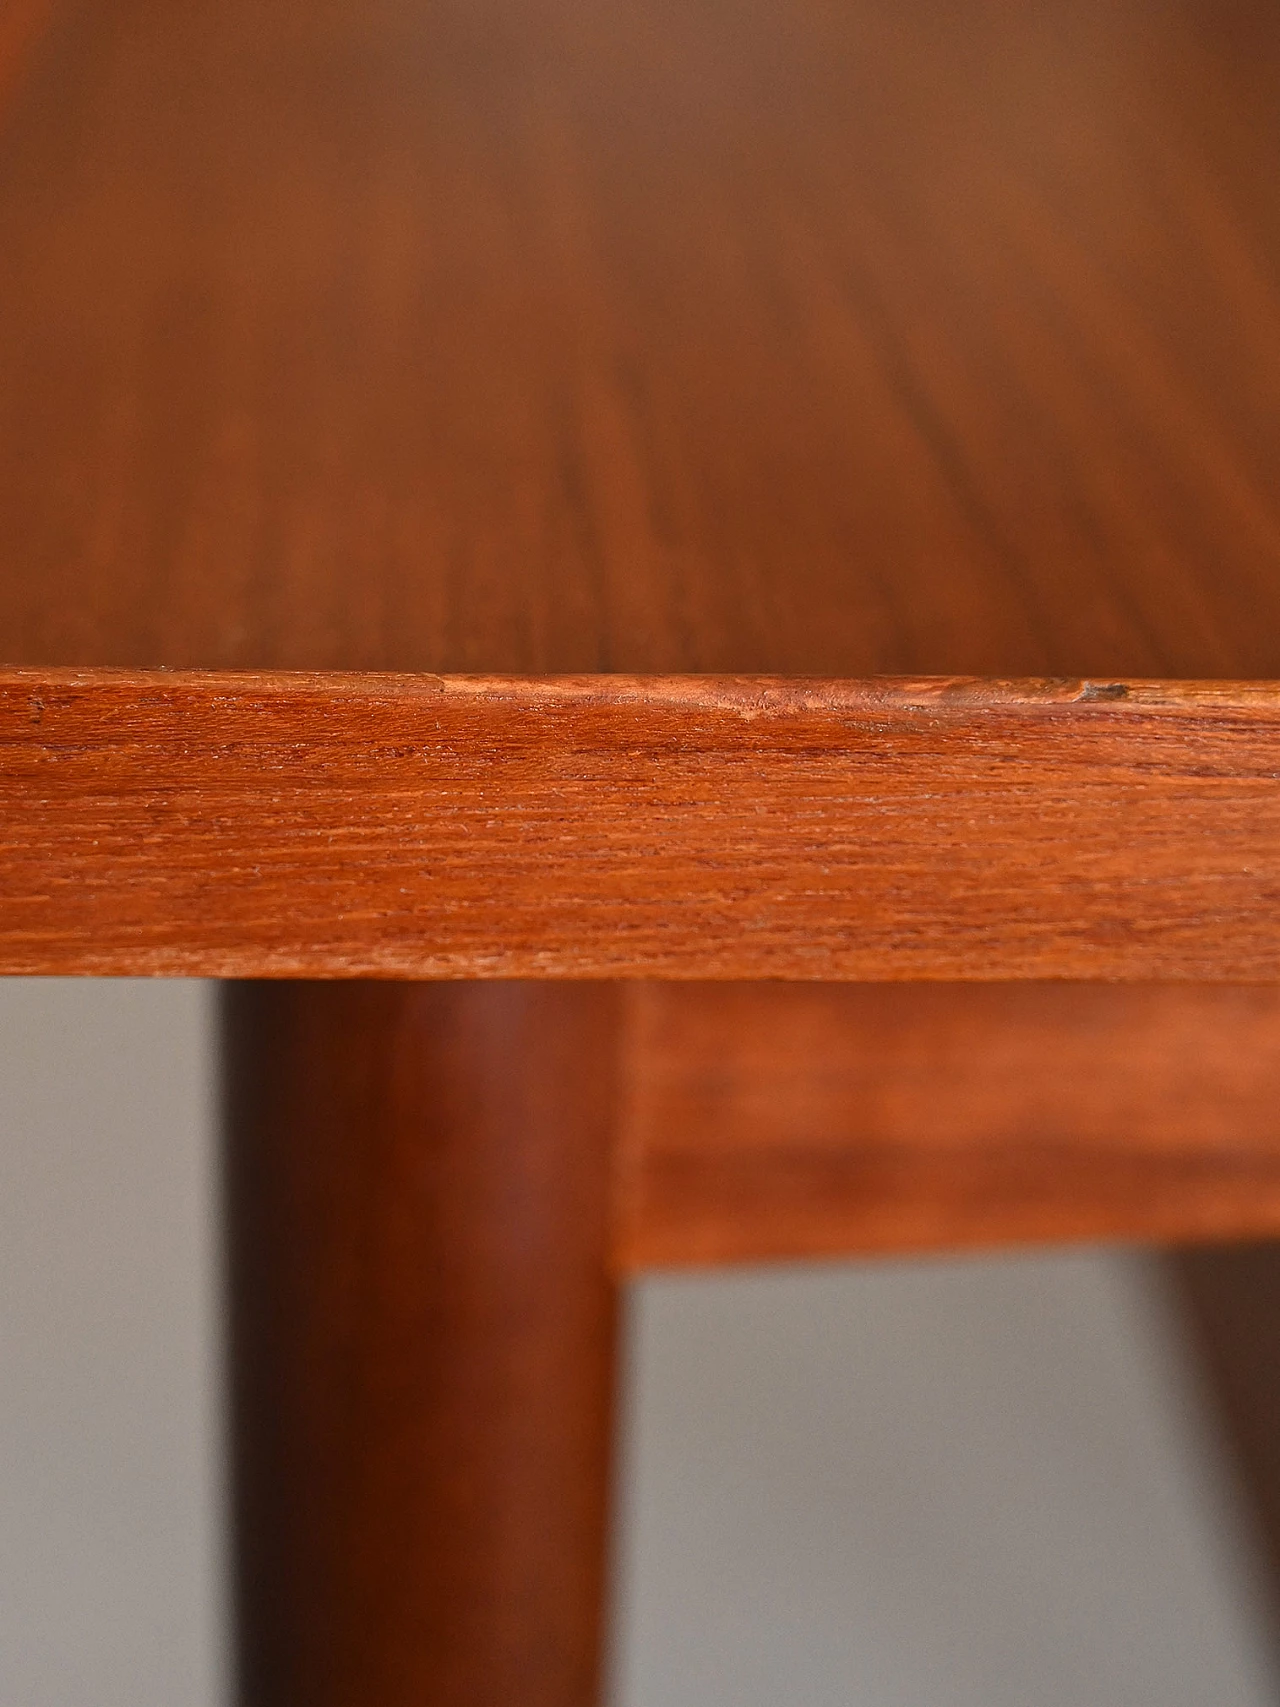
{"x": 422, "y": 1328}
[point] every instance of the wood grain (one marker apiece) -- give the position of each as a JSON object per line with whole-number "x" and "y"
{"x": 667, "y": 336}
{"x": 421, "y": 1341}
{"x": 786, "y": 1121}
{"x": 453, "y": 827}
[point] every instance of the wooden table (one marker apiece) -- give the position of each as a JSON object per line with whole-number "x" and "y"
{"x": 687, "y": 596}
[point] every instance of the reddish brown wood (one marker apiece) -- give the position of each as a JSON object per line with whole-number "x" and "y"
{"x": 800, "y": 337}
{"x": 422, "y": 1335}
{"x": 666, "y": 335}
{"x": 803, "y": 1120}
{"x": 22, "y": 23}
{"x": 615, "y": 827}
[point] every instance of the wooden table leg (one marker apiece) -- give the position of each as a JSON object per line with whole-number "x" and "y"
{"x": 422, "y": 1331}
{"x": 1232, "y": 1297}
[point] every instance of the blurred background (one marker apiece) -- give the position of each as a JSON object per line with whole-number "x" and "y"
{"x": 933, "y": 1484}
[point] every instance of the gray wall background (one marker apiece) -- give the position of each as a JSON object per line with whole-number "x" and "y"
{"x": 951, "y": 1484}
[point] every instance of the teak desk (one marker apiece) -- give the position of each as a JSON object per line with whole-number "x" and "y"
{"x": 697, "y": 584}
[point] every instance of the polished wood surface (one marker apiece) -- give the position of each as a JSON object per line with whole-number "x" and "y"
{"x": 538, "y": 337}
{"x": 428, "y": 336}
{"x": 24, "y": 24}
{"x": 780, "y": 1121}
{"x": 432, "y": 1191}
{"x": 620, "y": 828}
{"x": 421, "y": 1341}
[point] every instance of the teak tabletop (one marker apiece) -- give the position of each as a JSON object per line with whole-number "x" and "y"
{"x": 662, "y": 490}
{"x": 402, "y": 341}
